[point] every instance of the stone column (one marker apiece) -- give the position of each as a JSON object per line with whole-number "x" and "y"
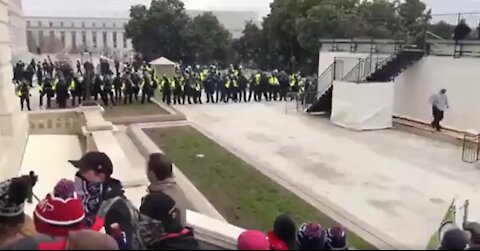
{"x": 110, "y": 43}
{"x": 68, "y": 39}
{"x": 13, "y": 123}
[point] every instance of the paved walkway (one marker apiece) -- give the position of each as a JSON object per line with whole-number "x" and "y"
{"x": 401, "y": 184}
{"x": 137, "y": 160}
{"x": 47, "y": 156}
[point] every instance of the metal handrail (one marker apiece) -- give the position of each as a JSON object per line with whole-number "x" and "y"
{"x": 435, "y": 36}
{"x": 308, "y": 98}
{"x": 471, "y": 148}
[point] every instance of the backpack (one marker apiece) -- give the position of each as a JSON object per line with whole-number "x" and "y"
{"x": 138, "y": 228}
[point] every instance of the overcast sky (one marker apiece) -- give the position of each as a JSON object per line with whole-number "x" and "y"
{"x": 260, "y": 6}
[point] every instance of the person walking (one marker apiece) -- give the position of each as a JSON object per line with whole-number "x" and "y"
{"x": 439, "y": 104}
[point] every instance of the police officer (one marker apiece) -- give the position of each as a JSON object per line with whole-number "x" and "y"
{"x": 178, "y": 88}
{"x": 233, "y": 88}
{"x": 46, "y": 90}
{"x": 242, "y": 87}
{"x": 206, "y": 78}
{"x": 254, "y": 83}
{"x": 284, "y": 85}
{"x": 265, "y": 89}
{"x": 136, "y": 81}
{"x": 147, "y": 88}
{"x": 127, "y": 87}
{"x": 166, "y": 90}
{"x": 108, "y": 90}
{"x": 23, "y": 92}
{"x": 117, "y": 86}
{"x": 227, "y": 82}
{"x": 218, "y": 85}
{"x": 196, "y": 87}
{"x": 274, "y": 85}
{"x": 97, "y": 87}
{"x": 188, "y": 92}
{"x": 61, "y": 92}
{"x": 76, "y": 88}
{"x": 29, "y": 73}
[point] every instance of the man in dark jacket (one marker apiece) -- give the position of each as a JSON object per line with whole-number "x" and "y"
{"x": 162, "y": 207}
{"x": 93, "y": 182}
{"x": 461, "y": 31}
{"x": 61, "y": 92}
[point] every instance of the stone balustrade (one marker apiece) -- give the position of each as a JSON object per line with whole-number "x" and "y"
{"x": 67, "y": 122}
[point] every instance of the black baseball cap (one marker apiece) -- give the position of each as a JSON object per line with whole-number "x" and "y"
{"x": 96, "y": 161}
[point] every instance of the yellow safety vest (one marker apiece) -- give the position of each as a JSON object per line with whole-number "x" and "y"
{"x": 227, "y": 84}
{"x": 302, "y": 85}
{"x": 293, "y": 80}
{"x": 172, "y": 83}
{"x": 54, "y": 86}
{"x": 72, "y": 85}
{"x": 257, "y": 78}
{"x": 273, "y": 81}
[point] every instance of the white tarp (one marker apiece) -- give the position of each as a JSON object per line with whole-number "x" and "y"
{"x": 365, "y": 106}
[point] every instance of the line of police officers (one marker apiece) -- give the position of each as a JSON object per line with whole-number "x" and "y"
{"x": 58, "y": 80}
{"x": 230, "y": 85}
{"x": 139, "y": 82}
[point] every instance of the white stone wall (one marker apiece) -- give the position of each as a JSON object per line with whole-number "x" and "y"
{"x": 17, "y": 27}
{"x": 79, "y": 26}
{"x": 13, "y": 123}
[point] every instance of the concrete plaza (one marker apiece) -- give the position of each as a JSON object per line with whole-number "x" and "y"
{"x": 390, "y": 184}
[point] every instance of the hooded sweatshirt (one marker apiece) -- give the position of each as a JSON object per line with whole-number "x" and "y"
{"x": 170, "y": 188}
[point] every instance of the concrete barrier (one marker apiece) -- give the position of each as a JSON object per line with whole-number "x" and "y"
{"x": 146, "y": 147}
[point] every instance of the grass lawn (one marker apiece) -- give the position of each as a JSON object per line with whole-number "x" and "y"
{"x": 243, "y": 195}
{"x": 135, "y": 109}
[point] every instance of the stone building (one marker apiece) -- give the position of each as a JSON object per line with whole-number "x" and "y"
{"x": 13, "y": 123}
{"x": 101, "y": 32}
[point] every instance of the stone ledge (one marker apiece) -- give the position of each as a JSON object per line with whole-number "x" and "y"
{"x": 94, "y": 121}
{"x": 213, "y": 231}
{"x": 146, "y": 119}
{"x": 422, "y": 128}
{"x": 146, "y": 147}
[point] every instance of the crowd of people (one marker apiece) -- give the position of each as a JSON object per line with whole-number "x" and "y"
{"x": 91, "y": 211}
{"x": 137, "y": 82}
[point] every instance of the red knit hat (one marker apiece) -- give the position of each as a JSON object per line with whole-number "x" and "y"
{"x": 56, "y": 216}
